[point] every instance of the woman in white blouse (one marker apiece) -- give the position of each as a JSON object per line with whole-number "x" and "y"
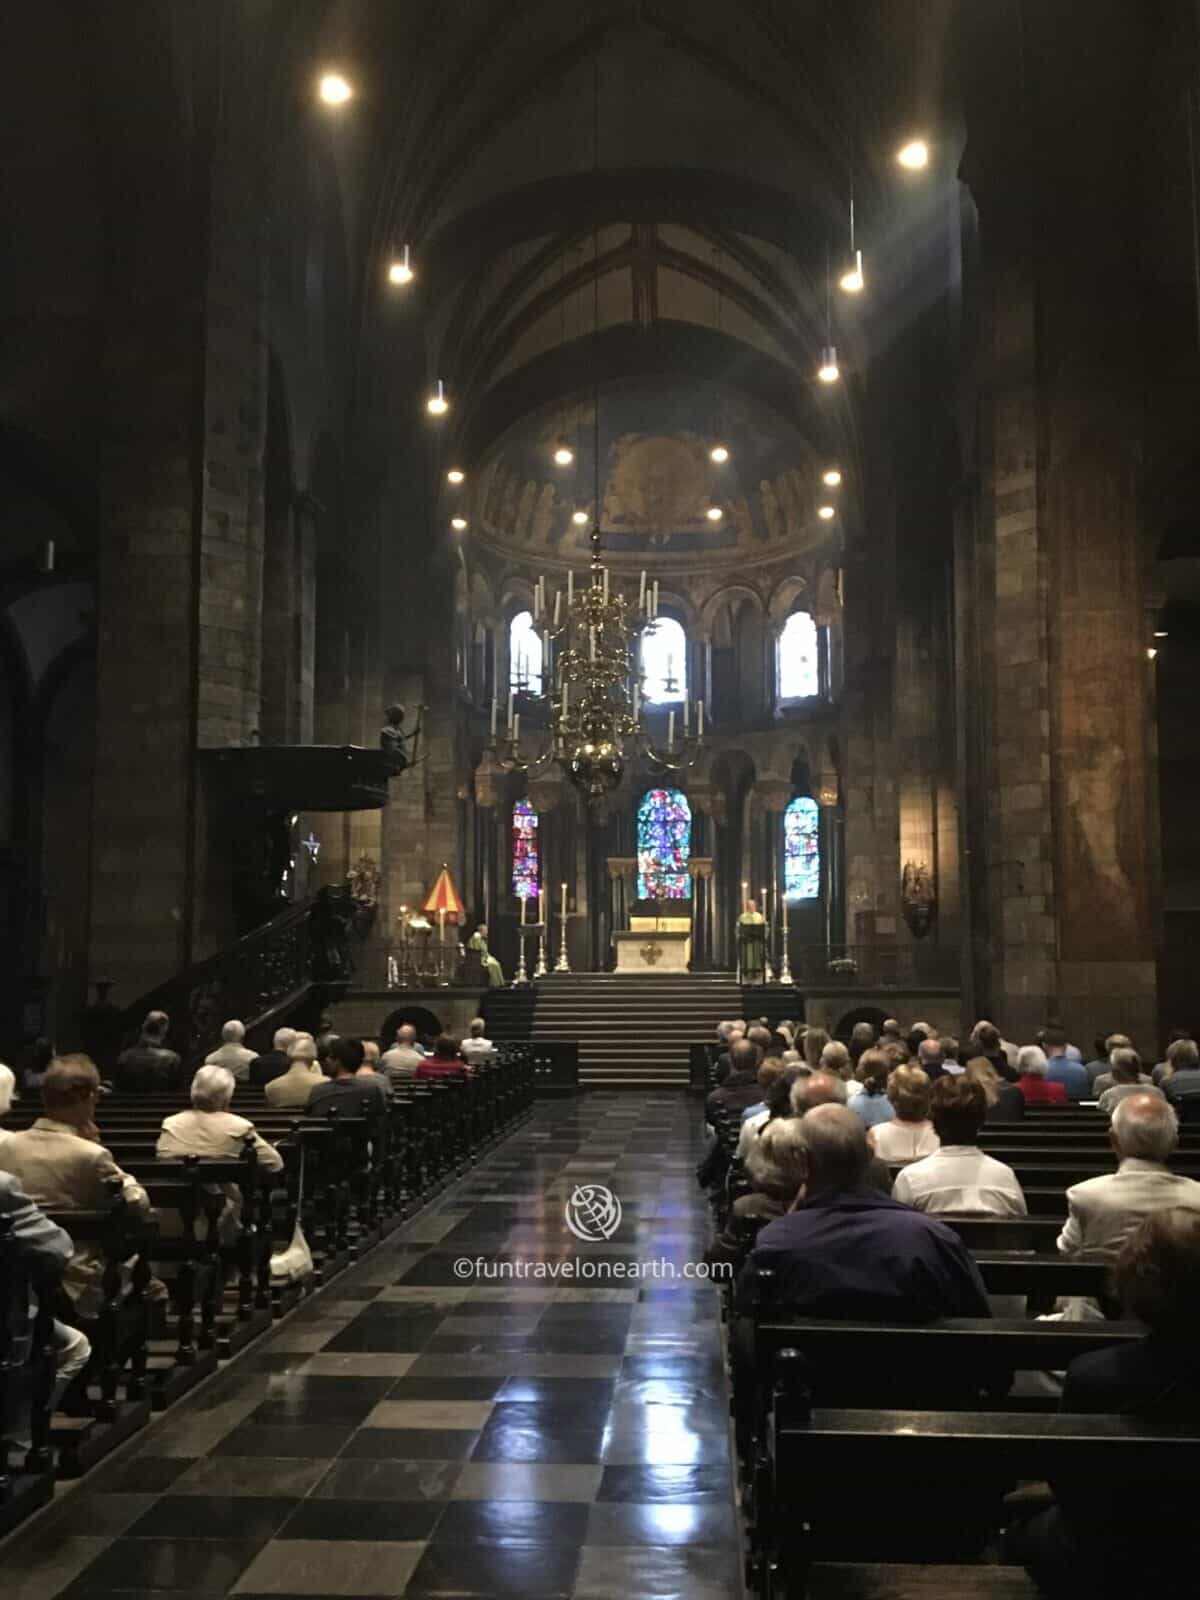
{"x": 910, "y": 1134}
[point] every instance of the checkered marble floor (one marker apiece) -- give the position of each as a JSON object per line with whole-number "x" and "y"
{"x": 412, "y": 1431}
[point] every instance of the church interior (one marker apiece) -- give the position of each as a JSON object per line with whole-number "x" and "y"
{"x": 602, "y": 570}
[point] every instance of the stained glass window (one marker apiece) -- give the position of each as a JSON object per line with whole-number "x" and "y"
{"x": 664, "y": 837}
{"x": 525, "y": 880}
{"x": 524, "y": 655}
{"x": 664, "y": 663}
{"x": 802, "y": 849}
{"x": 798, "y": 672}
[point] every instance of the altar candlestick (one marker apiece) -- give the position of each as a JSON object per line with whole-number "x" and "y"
{"x": 654, "y": 602}
{"x": 557, "y": 606}
{"x": 687, "y": 711}
{"x": 570, "y": 587}
{"x": 642, "y": 592}
{"x": 700, "y": 720}
{"x": 670, "y": 730}
{"x": 564, "y": 902}
{"x": 523, "y": 898}
{"x": 542, "y": 905}
{"x": 516, "y": 728}
{"x": 493, "y": 718}
{"x": 508, "y": 718}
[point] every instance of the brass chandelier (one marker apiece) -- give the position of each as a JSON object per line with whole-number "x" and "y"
{"x": 591, "y": 707}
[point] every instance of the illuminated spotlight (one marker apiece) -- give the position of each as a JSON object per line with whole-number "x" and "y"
{"x": 334, "y": 90}
{"x": 1151, "y": 652}
{"x": 458, "y": 523}
{"x": 563, "y": 454}
{"x": 401, "y": 270}
{"x": 437, "y": 405}
{"x": 914, "y": 155}
{"x": 456, "y": 475}
{"x": 579, "y": 518}
{"x": 826, "y": 513}
{"x": 852, "y": 280}
{"x": 719, "y": 453}
{"x": 831, "y": 478}
{"x": 714, "y": 513}
{"x": 829, "y": 371}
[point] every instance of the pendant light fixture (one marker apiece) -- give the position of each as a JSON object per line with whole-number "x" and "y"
{"x": 563, "y": 454}
{"x": 913, "y": 155}
{"x": 456, "y": 475}
{"x": 852, "y": 280}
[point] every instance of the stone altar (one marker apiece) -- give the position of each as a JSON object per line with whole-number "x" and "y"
{"x": 639, "y": 950}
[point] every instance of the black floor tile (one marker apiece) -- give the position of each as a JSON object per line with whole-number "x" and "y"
{"x": 545, "y": 1521}
{"x": 146, "y": 1474}
{"x": 366, "y": 1479}
{"x": 285, "y": 1439}
{"x": 197, "y": 1566}
{"x": 446, "y": 1388}
{"x": 403, "y": 1444}
{"x": 363, "y": 1520}
{"x": 196, "y": 1516}
{"x": 496, "y": 1570}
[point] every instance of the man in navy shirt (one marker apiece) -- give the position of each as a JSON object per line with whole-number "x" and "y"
{"x": 849, "y": 1252}
{"x": 1060, "y": 1068}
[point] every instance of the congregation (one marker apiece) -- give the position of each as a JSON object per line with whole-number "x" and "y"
{"x": 845, "y": 1180}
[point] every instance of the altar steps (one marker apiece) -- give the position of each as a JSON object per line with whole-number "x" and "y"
{"x": 633, "y": 1030}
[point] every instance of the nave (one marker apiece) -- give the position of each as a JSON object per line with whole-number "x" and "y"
{"x": 408, "y": 1432}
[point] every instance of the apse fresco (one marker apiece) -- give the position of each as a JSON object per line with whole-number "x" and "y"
{"x": 658, "y": 482}
{"x": 802, "y": 849}
{"x": 525, "y": 880}
{"x": 664, "y": 837}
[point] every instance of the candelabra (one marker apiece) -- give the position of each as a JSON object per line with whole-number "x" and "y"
{"x": 562, "y": 964}
{"x": 521, "y": 977}
{"x": 541, "y": 969}
{"x": 591, "y": 713}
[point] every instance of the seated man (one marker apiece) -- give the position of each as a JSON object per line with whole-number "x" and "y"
{"x": 211, "y": 1129}
{"x": 372, "y": 1067}
{"x": 291, "y": 1091}
{"x": 43, "y": 1250}
{"x": 1121, "y": 1055}
{"x": 232, "y": 1053}
{"x": 1062, "y": 1068}
{"x": 273, "y": 1063}
{"x": 1081, "y": 1544}
{"x": 847, "y": 1251}
{"x": 1181, "y": 1082}
{"x": 931, "y": 1058}
{"x": 445, "y": 1062}
{"x": 346, "y": 1092}
{"x": 1127, "y": 1078}
{"x": 740, "y": 1089}
{"x": 62, "y": 1166}
{"x": 148, "y": 1065}
{"x": 477, "y": 1047}
{"x": 403, "y": 1059}
{"x": 1102, "y": 1212}
{"x": 828, "y": 1089}
{"x": 959, "y": 1177}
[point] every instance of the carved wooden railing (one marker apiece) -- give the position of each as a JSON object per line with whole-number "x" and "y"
{"x": 253, "y": 979}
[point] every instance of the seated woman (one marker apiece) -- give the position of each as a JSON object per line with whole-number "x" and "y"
{"x": 1005, "y": 1101}
{"x": 478, "y": 942}
{"x": 445, "y": 1062}
{"x": 211, "y": 1129}
{"x": 1033, "y": 1082}
{"x": 910, "y": 1134}
{"x": 775, "y": 1167}
{"x": 871, "y": 1102}
{"x": 1085, "y": 1541}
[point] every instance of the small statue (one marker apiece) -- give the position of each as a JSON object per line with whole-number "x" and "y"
{"x": 393, "y": 740}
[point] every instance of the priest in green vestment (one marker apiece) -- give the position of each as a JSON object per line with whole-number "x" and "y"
{"x": 479, "y": 943}
{"x": 752, "y": 944}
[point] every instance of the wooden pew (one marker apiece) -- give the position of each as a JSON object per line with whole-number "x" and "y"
{"x": 26, "y": 1377}
{"x": 813, "y": 1454}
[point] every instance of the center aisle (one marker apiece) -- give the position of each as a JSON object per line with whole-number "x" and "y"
{"x": 414, "y": 1431}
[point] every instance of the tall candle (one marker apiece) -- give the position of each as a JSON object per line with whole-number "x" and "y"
{"x": 592, "y": 644}
{"x": 564, "y": 697}
{"x": 516, "y": 727}
{"x": 557, "y": 606}
{"x": 493, "y": 716}
{"x": 508, "y": 718}
{"x": 606, "y": 585}
{"x": 700, "y": 719}
{"x": 564, "y": 902}
{"x": 570, "y": 587}
{"x": 642, "y": 591}
{"x": 654, "y": 607}
{"x": 670, "y": 730}
{"x": 745, "y": 893}
{"x": 765, "y": 912}
{"x": 686, "y": 716}
{"x": 523, "y": 899}
{"x": 542, "y": 905}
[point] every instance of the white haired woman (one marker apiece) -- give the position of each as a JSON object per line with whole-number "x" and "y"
{"x": 775, "y": 1166}
{"x": 1032, "y": 1080}
{"x": 211, "y": 1129}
